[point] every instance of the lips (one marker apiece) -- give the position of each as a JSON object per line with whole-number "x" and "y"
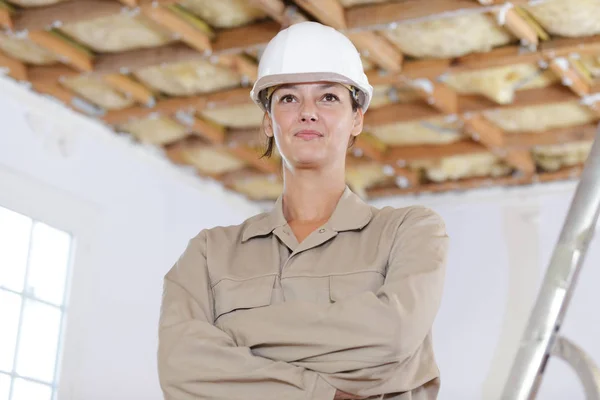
{"x": 308, "y": 134}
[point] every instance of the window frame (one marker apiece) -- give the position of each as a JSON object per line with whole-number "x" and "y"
{"x": 22, "y": 193}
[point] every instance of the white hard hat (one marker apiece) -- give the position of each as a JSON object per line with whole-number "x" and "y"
{"x": 311, "y": 52}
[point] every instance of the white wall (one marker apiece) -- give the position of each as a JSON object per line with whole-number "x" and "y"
{"x": 140, "y": 212}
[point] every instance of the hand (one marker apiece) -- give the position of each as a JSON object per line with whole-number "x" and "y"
{"x": 339, "y": 395}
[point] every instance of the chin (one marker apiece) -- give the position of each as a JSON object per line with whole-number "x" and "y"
{"x": 307, "y": 159}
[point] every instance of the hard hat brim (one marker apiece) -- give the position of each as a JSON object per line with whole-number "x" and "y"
{"x": 258, "y": 91}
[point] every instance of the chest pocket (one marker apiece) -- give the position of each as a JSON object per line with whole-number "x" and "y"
{"x": 242, "y": 294}
{"x": 352, "y": 284}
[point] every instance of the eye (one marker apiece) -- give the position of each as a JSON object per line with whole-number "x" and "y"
{"x": 288, "y": 98}
{"x": 330, "y": 97}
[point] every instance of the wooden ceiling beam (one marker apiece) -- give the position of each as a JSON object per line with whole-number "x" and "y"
{"x": 67, "y": 53}
{"x": 237, "y": 40}
{"x": 569, "y": 76}
{"x": 369, "y": 146}
{"x": 50, "y": 73}
{"x": 58, "y": 92}
{"x": 16, "y": 69}
{"x": 211, "y": 132}
{"x": 131, "y": 88}
{"x": 509, "y": 55}
{"x": 401, "y": 155}
{"x": 195, "y": 38}
{"x": 229, "y": 41}
{"x": 129, "y": 3}
{"x": 513, "y": 142}
{"x": 55, "y": 15}
{"x": 163, "y": 107}
{"x": 147, "y": 57}
{"x": 415, "y": 111}
{"x": 251, "y": 157}
{"x": 328, "y": 12}
{"x": 172, "y": 106}
{"x": 483, "y": 131}
{"x": 240, "y": 64}
{"x": 404, "y": 11}
{"x": 438, "y": 95}
{"x": 521, "y": 160}
{"x": 390, "y": 114}
{"x": 511, "y": 18}
{"x": 377, "y": 49}
{"x": 477, "y": 183}
{"x": 6, "y": 19}
{"x": 526, "y": 140}
{"x": 273, "y": 8}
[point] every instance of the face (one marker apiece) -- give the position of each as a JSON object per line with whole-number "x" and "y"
{"x": 312, "y": 123}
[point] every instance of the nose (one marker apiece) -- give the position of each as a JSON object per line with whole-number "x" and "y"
{"x": 308, "y": 113}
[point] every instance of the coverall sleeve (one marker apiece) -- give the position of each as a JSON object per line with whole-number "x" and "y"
{"x": 370, "y": 335}
{"x": 197, "y": 360}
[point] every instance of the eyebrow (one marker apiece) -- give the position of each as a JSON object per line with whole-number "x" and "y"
{"x": 292, "y": 86}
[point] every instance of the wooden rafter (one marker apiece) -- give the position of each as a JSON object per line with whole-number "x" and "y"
{"x": 238, "y": 39}
{"x": 437, "y": 95}
{"x": 16, "y": 69}
{"x": 329, "y": 12}
{"x": 212, "y": 133}
{"x": 511, "y": 17}
{"x": 483, "y": 131}
{"x": 513, "y": 141}
{"x": 409, "y": 112}
{"x": 195, "y": 38}
{"x": 241, "y": 64}
{"x": 569, "y": 76}
{"x": 67, "y": 53}
{"x": 40, "y": 18}
{"x": 273, "y": 8}
{"x": 389, "y": 114}
{"x": 404, "y": 11}
{"x": 164, "y": 107}
{"x": 235, "y": 49}
{"x": 477, "y": 183}
{"x": 131, "y": 88}
{"x": 251, "y": 157}
{"x": 5, "y": 19}
{"x": 508, "y": 55}
{"x": 378, "y": 49}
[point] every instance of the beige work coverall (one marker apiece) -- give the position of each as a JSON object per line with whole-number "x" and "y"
{"x": 249, "y": 313}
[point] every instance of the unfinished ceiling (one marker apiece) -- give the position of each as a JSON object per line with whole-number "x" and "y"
{"x": 467, "y": 94}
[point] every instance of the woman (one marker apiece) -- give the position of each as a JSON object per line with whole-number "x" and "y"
{"x": 324, "y": 297}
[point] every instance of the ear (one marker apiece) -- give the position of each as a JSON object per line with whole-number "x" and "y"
{"x": 267, "y": 125}
{"x": 357, "y": 123}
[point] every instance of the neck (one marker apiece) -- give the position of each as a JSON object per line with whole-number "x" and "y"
{"x": 311, "y": 194}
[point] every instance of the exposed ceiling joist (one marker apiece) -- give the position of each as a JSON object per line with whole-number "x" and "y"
{"x": 329, "y": 12}
{"x": 513, "y": 141}
{"x": 66, "y": 53}
{"x": 16, "y": 69}
{"x": 168, "y": 19}
{"x": 56, "y": 15}
{"x": 130, "y": 88}
{"x": 368, "y": 16}
{"x": 378, "y": 49}
{"x": 477, "y": 183}
{"x": 5, "y": 19}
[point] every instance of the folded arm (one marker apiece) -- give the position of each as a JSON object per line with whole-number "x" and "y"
{"x": 370, "y": 336}
{"x": 196, "y": 360}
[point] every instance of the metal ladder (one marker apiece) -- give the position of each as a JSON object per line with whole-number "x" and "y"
{"x": 541, "y": 338}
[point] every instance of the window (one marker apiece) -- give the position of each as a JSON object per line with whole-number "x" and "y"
{"x": 35, "y": 263}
